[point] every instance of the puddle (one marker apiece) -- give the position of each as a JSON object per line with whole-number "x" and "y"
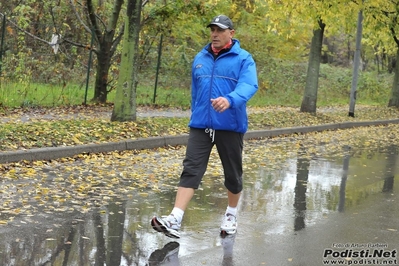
{"x": 298, "y": 196}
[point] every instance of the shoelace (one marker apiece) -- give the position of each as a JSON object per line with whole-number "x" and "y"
{"x": 171, "y": 219}
{"x": 230, "y": 218}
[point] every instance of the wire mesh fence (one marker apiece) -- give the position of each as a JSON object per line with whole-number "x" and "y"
{"x": 40, "y": 71}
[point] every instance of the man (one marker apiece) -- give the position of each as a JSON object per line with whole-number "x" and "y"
{"x": 224, "y": 78}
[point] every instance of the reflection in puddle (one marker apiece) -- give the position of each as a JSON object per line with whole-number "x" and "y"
{"x": 166, "y": 255}
{"x": 300, "y": 193}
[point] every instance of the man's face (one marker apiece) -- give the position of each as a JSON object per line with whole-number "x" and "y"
{"x": 220, "y": 37}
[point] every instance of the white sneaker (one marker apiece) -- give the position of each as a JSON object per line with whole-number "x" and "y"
{"x": 167, "y": 225}
{"x": 229, "y": 225}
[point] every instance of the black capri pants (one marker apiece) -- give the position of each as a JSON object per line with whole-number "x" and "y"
{"x": 229, "y": 145}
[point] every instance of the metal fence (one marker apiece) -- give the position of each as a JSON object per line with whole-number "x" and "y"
{"x": 65, "y": 72}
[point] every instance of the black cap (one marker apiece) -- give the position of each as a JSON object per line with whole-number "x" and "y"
{"x": 222, "y": 21}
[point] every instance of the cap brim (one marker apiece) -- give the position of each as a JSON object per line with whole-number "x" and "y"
{"x": 219, "y": 25}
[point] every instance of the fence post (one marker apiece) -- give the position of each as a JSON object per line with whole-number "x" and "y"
{"x": 158, "y": 66}
{"x": 89, "y": 65}
{"x": 3, "y": 32}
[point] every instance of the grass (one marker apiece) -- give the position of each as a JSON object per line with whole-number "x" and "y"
{"x": 15, "y": 95}
{"x": 282, "y": 85}
{"x": 20, "y": 94}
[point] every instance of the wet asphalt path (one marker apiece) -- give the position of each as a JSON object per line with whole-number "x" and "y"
{"x": 290, "y": 215}
{"x": 337, "y": 207}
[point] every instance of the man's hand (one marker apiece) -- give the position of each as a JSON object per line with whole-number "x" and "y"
{"x": 220, "y": 104}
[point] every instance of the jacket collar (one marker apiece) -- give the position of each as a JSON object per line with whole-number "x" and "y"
{"x": 234, "y": 48}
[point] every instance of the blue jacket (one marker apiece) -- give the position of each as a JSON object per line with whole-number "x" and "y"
{"x": 233, "y": 76}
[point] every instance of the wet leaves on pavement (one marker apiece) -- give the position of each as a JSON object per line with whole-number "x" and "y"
{"x": 89, "y": 181}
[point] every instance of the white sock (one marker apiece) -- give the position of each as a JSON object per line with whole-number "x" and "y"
{"x": 178, "y": 214}
{"x": 231, "y": 210}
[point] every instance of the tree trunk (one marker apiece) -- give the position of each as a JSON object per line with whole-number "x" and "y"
{"x": 125, "y": 98}
{"x": 356, "y": 64}
{"x": 103, "y": 65}
{"x": 312, "y": 77}
{"x": 394, "y": 100}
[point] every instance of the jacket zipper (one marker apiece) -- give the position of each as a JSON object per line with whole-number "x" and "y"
{"x": 211, "y": 86}
{"x": 210, "y": 94}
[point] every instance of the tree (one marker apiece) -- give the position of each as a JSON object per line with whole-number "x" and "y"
{"x": 393, "y": 19}
{"x": 394, "y": 98}
{"x": 125, "y": 99}
{"x": 312, "y": 77}
{"x": 356, "y": 65}
{"x": 381, "y": 26}
{"x": 320, "y": 13}
{"x": 107, "y": 36}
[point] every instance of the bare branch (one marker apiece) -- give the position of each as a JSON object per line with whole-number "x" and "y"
{"x": 53, "y": 19}
{"x": 26, "y": 32}
{"x": 118, "y": 39}
{"x": 394, "y": 36}
{"x": 47, "y": 42}
{"x": 81, "y": 45}
{"x": 78, "y": 16}
{"x": 93, "y": 20}
{"x": 98, "y": 17}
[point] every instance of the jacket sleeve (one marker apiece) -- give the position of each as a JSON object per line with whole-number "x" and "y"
{"x": 247, "y": 84}
{"x": 193, "y": 88}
